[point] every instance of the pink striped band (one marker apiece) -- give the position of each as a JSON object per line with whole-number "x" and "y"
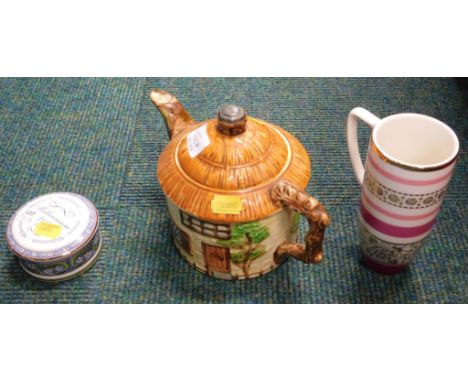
{"x": 394, "y": 215}
{"x": 409, "y": 182}
{"x": 393, "y": 230}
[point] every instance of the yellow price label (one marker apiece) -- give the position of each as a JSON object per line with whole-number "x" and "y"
{"x": 49, "y": 230}
{"x": 226, "y": 204}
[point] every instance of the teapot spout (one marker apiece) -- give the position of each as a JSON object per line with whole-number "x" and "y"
{"x": 177, "y": 118}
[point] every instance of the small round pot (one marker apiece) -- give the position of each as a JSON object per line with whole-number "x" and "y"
{"x": 55, "y": 236}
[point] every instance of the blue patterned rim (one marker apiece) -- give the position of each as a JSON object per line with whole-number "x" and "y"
{"x": 28, "y": 254}
{"x": 63, "y": 269}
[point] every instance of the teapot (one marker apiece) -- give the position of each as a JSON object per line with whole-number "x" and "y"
{"x": 235, "y": 186}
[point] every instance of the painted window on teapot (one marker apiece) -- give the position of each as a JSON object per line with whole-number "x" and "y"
{"x": 218, "y": 231}
{"x": 181, "y": 238}
{"x": 246, "y": 243}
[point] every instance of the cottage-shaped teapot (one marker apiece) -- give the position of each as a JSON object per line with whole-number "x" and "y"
{"x": 235, "y": 191}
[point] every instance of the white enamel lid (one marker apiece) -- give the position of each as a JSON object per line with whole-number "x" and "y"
{"x": 52, "y": 226}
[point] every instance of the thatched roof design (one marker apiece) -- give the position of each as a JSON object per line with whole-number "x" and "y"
{"x": 247, "y": 165}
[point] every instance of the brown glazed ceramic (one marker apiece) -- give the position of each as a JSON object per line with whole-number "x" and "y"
{"x": 235, "y": 191}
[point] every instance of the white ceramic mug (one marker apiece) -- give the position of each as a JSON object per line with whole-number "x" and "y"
{"x": 410, "y": 160}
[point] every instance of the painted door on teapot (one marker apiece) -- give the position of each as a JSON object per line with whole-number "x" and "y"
{"x": 217, "y": 259}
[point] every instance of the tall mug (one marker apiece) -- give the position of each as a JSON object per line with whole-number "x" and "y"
{"x": 409, "y": 163}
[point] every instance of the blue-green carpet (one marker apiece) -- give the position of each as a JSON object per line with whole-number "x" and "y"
{"x": 102, "y": 137}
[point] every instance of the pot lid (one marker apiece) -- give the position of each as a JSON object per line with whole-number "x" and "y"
{"x": 233, "y": 160}
{"x": 52, "y": 226}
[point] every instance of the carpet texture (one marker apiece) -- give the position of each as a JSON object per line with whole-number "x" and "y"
{"x": 102, "y": 137}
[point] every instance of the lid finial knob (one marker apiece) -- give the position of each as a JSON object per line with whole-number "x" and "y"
{"x": 231, "y": 120}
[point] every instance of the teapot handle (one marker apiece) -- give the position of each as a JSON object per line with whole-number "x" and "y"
{"x": 318, "y": 218}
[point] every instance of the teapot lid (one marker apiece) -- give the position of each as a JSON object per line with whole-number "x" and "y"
{"x": 233, "y": 158}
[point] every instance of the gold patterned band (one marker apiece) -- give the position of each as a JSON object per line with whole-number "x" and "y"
{"x": 400, "y": 199}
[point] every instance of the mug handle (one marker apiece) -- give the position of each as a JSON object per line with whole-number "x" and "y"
{"x": 353, "y": 148}
{"x": 289, "y": 195}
